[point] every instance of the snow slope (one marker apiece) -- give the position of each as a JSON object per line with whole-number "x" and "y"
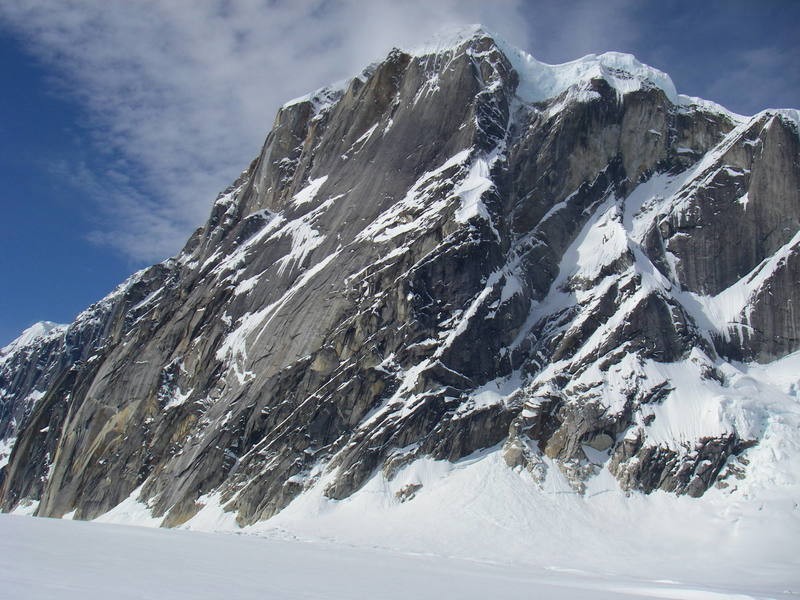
{"x": 46, "y": 559}
{"x": 743, "y": 538}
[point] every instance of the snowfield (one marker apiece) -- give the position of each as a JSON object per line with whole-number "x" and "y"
{"x": 48, "y": 558}
{"x": 470, "y": 529}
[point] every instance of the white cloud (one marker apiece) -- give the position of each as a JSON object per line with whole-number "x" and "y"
{"x": 181, "y": 94}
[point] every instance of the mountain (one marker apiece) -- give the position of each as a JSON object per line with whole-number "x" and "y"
{"x": 569, "y": 271}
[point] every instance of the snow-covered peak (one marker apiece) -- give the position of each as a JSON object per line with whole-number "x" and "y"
{"x": 33, "y": 334}
{"x": 322, "y": 97}
{"x": 449, "y": 38}
{"x": 790, "y": 114}
{"x": 540, "y": 81}
{"x": 693, "y": 102}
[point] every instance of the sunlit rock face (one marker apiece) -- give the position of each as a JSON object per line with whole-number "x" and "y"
{"x": 459, "y": 249}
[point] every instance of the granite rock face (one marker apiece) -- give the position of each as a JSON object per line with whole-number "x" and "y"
{"x": 431, "y": 261}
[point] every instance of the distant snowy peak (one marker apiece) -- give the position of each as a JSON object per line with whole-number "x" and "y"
{"x": 33, "y": 335}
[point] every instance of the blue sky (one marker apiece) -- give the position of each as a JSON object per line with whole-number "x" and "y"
{"x": 121, "y": 120}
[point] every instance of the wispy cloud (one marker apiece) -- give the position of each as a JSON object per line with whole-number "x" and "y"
{"x": 180, "y": 95}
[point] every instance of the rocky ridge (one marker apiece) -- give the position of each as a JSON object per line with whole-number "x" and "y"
{"x": 460, "y": 249}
